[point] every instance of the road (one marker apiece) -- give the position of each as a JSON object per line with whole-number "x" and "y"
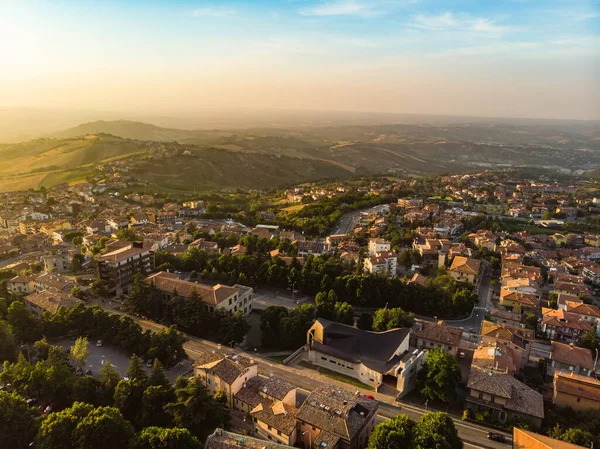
{"x": 6, "y": 262}
{"x": 307, "y": 380}
{"x": 478, "y": 314}
{"x": 350, "y": 220}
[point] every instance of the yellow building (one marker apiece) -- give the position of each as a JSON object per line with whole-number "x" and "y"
{"x": 524, "y": 439}
{"x": 517, "y": 302}
{"x": 465, "y": 269}
{"x": 576, "y": 391}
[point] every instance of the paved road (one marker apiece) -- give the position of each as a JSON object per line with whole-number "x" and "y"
{"x": 350, "y": 220}
{"x": 18, "y": 258}
{"x": 307, "y": 380}
{"x": 478, "y": 314}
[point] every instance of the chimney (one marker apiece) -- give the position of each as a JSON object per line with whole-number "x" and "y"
{"x": 219, "y": 346}
{"x": 572, "y": 345}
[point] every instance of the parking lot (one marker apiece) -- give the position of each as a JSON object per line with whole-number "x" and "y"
{"x": 107, "y": 353}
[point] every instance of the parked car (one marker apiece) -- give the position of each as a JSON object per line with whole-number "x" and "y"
{"x": 461, "y": 355}
{"x": 99, "y": 343}
{"x": 149, "y": 363}
{"x": 496, "y": 437}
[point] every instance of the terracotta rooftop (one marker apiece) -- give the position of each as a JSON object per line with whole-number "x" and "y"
{"x": 226, "y": 365}
{"x": 222, "y": 439}
{"x": 122, "y": 254}
{"x": 570, "y": 354}
{"x": 466, "y": 265}
{"x": 170, "y": 283}
{"x": 524, "y": 439}
{"x": 440, "y": 332}
{"x": 51, "y": 300}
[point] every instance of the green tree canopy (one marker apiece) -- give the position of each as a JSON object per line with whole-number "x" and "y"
{"x": 441, "y": 375}
{"x": 436, "y": 431}
{"x": 18, "y": 423}
{"x": 8, "y": 345}
{"x": 165, "y": 438}
{"x": 395, "y": 433}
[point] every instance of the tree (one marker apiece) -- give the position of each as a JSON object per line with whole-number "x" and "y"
{"x": 221, "y": 397}
{"x": 8, "y": 346}
{"x": 195, "y": 409}
{"x": 77, "y": 293}
{"x": 127, "y": 234}
{"x": 441, "y": 376}
{"x": 154, "y": 400}
{"x": 531, "y": 321}
{"x": 572, "y": 435}
{"x": 80, "y": 352}
{"x": 90, "y": 390}
{"x": 326, "y": 305}
{"x": 23, "y": 325}
{"x": 77, "y": 263}
{"x": 136, "y": 371}
{"x": 158, "y": 377}
{"x": 589, "y": 339}
{"x": 395, "y": 433}
{"x": 128, "y": 399}
{"x": 109, "y": 376}
{"x": 165, "y": 438}
{"x": 18, "y": 423}
{"x": 386, "y": 319}
{"x": 344, "y": 313}
{"x": 365, "y": 321}
{"x": 436, "y": 431}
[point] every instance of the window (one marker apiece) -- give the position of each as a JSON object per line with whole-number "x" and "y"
{"x": 278, "y": 433}
{"x": 578, "y": 399}
{"x": 269, "y": 427}
{"x": 323, "y": 358}
{"x": 229, "y": 301}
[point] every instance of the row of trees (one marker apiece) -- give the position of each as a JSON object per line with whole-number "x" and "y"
{"x": 190, "y": 314}
{"x": 442, "y": 296}
{"x": 88, "y": 412}
{"x": 93, "y": 322}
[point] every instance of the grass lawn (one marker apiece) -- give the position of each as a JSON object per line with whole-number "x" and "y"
{"x": 295, "y": 208}
{"x": 336, "y": 376}
{"x": 278, "y": 358}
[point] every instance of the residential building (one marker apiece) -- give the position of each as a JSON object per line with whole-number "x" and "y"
{"x": 335, "y": 418}
{"x": 570, "y": 358}
{"x": 437, "y": 335}
{"x": 525, "y": 439}
{"x": 54, "y": 281}
{"x": 221, "y": 439}
{"x": 374, "y": 358}
{"x": 517, "y": 301}
{"x": 465, "y": 269}
{"x": 562, "y": 325}
{"x": 506, "y": 399}
{"x": 377, "y": 246}
{"x": 57, "y": 261}
{"x": 223, "y": 370}
{"x": 234, "y": 299}
{"x": 119, "y": 267}
{"x": 513, "y": 336}
{"x": 271, "y": 405}
{"x": 385, "y": 262}
{"x": 307, "y": 248}
{"x": 50, "y": 300}
{"x": 591, "y": 273}
{"x": 21, "y": 284}
{"x": 505, "y": 317}
{"x": 576, "y": 391}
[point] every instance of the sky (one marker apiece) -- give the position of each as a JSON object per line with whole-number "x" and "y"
{"x": 505, "y": 58}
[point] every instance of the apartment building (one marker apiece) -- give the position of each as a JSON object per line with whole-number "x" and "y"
{"x": 119, "y": 267}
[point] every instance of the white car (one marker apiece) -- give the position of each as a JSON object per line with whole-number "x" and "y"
{"x": 99, "y": 343}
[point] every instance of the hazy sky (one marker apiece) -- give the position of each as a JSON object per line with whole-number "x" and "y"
{"x": 515, "y": 58}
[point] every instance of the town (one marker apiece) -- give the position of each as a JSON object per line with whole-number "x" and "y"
{"x": 374, "y": 312}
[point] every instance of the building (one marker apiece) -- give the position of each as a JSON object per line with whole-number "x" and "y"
{"x": 54, "y": 281}
{"x": 50, "y": 300}
{"x": 575, "y": 391}
{"x": 21, "y": 284}
{"x": 233, "y": 299}
{"x": 227, "y": 371}
{"x": 517, "y": 337}
{"x": 562, "y": 325}
{"x": 271, "y": 405}
{"x": 307, "y": 248}
{"x": 378, "y": 245}
{"x": 570, "y": 358}
{"x": 465, "y": 269}
{"x": 505, "y": 317}
{"x": 119, "y": 267}
{"x": 59, "y": 262}
{"x": 524, "y": 439}
{"x": 384, "y": 262}
{"x": 374, "y": 358}
{"x": 438, "y": 335}
{"x": 506, "y": 399}
{"x": 517, "y": 302}
{"x": 335, "y": 418}
{"x": 221, "y": 439}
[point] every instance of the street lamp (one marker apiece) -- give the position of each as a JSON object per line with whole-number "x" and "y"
{"x": 309, "y": 438}
{"x": 426, "y": 404}
{"x": 28, "y": 353}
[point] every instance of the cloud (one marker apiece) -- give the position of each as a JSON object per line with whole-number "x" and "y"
{"x": 342, "y": 8}
{"x": 457, "y": 22}
{"x": 213, "y": 12}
